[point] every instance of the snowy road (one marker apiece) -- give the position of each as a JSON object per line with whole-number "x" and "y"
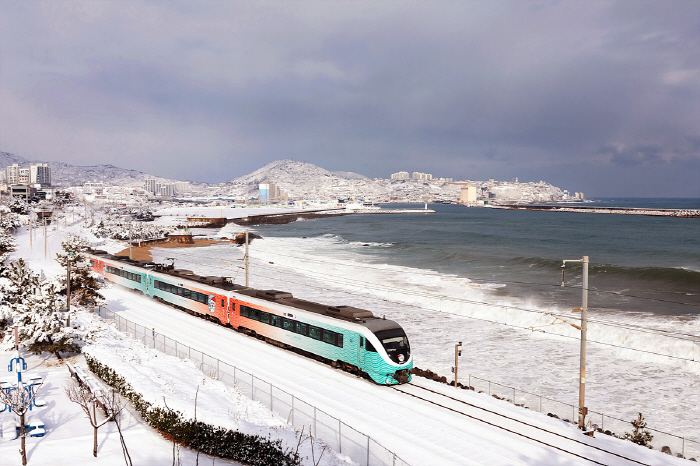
{"x": 420, "y": 432}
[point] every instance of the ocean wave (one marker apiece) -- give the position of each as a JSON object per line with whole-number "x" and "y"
{"x": 676, "y": 275}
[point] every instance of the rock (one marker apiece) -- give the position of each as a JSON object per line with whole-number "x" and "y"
{"x": 666, "y": 449}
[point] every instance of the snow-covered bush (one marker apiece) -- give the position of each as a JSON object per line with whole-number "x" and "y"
{"x": 18, "y": 206}
{"x": 121, "y": 230}
{"x": 34, "y": 307}
{"x": 213, "y": 440}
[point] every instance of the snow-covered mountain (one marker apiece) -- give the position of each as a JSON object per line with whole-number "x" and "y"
{"x": 306, "y": 180}
{"x": 64, "y": 174}
{"x": 7, "y": 158}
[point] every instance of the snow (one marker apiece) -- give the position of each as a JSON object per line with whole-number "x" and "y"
{"x": 69, "y": 436}
{"x": 419, "y": 432}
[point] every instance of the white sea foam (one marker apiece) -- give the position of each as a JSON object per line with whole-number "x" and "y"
{"x": 535, "y": 351}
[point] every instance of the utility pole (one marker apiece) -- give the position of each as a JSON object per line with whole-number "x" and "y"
{"x": 582, "y": 410}
{"x": 458, "y": 353}
{"x": 31, "y": 244}
{"x": 44, "y": 238}
{"x": 130, "y": 224}
{"x": 246, "y": 258}
{"x": 70, "y": 256}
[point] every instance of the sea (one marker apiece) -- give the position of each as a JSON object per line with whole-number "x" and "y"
{"x": 492, "y": 280}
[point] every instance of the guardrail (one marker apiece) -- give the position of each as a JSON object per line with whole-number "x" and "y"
{"x": 662, "y": 441}
{"x": 338, "y": 435}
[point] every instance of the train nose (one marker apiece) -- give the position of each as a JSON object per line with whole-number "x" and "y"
{"x": 402, "y": 375}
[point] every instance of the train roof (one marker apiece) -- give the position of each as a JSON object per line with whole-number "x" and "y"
{"x": 348, "y": 313}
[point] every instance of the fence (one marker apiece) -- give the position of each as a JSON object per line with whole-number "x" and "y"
{"x": 338, "y": 435}
{"x": 568, "y": 412}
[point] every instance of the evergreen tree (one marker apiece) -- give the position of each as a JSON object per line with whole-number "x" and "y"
{"x": 34, "y": 307}
{"x": 640, "y": 435}
{"x": 83, "y": 282}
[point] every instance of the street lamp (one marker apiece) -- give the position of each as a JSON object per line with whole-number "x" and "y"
{"x": 458, "y": 353}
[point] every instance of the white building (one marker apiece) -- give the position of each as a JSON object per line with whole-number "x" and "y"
{"x": 165, "y": 189}
{"x": 150, "y": 185}
{"x": 400, "y": 176}
{"x": 98, "y": 189}
{"x": 182, "y": 187}
{"x": 40, "y": 173}
{"x": 13, "y": 174}
{"x": 422, "y": 176}
{"x": 468, "y": 195}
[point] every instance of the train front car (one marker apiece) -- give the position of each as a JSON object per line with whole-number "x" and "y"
{"x": 386, "y": 356}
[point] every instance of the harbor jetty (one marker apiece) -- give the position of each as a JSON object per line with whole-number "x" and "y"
{"x": 283, "y": 218}
{"x": 679, "y": 213}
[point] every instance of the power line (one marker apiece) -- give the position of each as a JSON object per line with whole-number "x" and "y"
{"x": 452, "y": 298}
{"x": 361, "y": 284}
{"x": 513, "y": 282}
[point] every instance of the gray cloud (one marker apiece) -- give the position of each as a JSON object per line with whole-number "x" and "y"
{"x": 212, "y": 90}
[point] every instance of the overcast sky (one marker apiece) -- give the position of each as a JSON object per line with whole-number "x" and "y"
{"x": 592, "y": 96}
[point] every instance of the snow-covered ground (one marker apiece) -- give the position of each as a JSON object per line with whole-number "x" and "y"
{"x": 416, "y": 431}
{"x": 69, "y": 436}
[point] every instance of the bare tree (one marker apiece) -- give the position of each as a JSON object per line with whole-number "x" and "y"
{"x": 20, "y": 397}
{"x": 88, "y": 401}
{"x": 118, "y": 422}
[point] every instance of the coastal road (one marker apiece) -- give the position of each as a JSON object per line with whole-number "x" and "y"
{"x": 420, "y": 426}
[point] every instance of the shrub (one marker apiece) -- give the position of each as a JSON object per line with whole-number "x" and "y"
{"x": 213, "y": 440}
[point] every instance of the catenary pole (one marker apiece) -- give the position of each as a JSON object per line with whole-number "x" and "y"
{"x": 582, "y": 410}
{"x": 246, "y": 258}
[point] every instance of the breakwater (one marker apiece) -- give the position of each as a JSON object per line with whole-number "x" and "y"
{"x": 680, "y": 213}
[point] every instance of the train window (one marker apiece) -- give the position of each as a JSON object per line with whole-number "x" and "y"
{"x": 289, "y": 324}
{"x": 329, "y": 337}
{"x": 395, "y": 343}
{"x": 92, "y": 263}
{"x": 186, "y": 293}
{"x": 264, "y": 317}
{"x": 362, "y": 342}
{"x": 254, "y": 314}
{"x": 223, "y": 303}
{"x": 315, "y": 333}
{"x": 244, "y": 311}
{"x": 276, "y": 321}
{"x": 301, "y": 328}
{"x": 370, "y": 347}
{"x": 339, "y": 340}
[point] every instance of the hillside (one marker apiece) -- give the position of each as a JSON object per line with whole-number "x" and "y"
{"x": 64, "y": 174}
{"x": 306, "y": 180}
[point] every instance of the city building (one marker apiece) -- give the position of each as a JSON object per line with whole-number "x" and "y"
{"x": 182, "y": 187}
{"x": 422, "y": 176}
{"x": 400, "y": 176}
{"x": 98, "y": 189}
{"x": 40, "y": 173}
{"x": 22, "y": 191}
{"x": 467, "y": 195}
{"x": 264, "y": 192}
{"x": 150, "y": 185}
{"x": 12, "y": 173}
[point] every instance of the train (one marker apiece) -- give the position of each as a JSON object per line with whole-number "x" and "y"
{"x": 344, "y": 337}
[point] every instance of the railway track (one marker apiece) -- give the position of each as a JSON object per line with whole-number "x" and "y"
{"x": 530, "y": 431}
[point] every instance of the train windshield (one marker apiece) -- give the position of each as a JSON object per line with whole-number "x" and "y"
{"x": 396, "y": 344}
